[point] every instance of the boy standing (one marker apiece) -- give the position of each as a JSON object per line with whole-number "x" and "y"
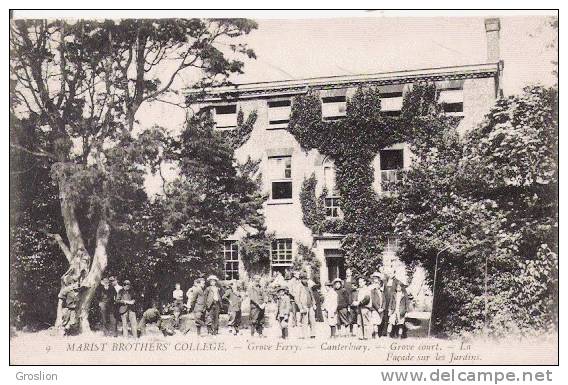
{"x": 330, "y": 305}
{"x": 212, "y": 296}
{"x": 257, "y": 305}
{"x": 125, "y": 300}
{"x": 235, "y": 300}
{"x": 177, "y": 295}
{"x": 283, "y": 311}
{"x": 196, "y": 304}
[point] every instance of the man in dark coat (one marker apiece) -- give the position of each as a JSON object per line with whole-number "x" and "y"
{"x": 107, "y": 295}
{"x": 377, "y": 303}
{"x": 196, "y": 304}
{"x": 212, "y": 296}
{"x": 307, "y": 305}
{"x": 257, "y": 305}
{"x": 125, "y": 301}
{"x": 233, "y": 297}
{"x": 343, "y": 303}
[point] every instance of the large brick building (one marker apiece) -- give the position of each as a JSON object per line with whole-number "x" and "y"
{"x": 467, "y": 91}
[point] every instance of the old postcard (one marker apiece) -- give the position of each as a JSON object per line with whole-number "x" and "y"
{"x": 377, "y": 189}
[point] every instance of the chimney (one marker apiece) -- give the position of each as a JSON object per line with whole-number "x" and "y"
{"x": 492, "y": 28}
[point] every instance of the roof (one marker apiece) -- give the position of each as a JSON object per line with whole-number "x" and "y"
{"x": 294, "y": 87}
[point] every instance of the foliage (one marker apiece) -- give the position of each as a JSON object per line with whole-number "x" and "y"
{"x": 352, "y": 143}
{"x": 82, "y": 83}
{"x": 307, "y": 260}
{"x": 212, "y": 198}
{"x": 487, "y": 203}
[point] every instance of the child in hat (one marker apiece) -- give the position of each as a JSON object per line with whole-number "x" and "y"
{"x": 284, "y": 309}
{"x": 212, "y": 296}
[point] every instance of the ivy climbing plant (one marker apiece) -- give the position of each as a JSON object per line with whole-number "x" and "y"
{"x": 352, "y": 143}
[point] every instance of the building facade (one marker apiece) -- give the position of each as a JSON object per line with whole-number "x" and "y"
{"x": 466, "y": 91}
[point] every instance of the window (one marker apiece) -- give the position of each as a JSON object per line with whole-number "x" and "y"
{"x": 391, "y": 99}
{"x": 231, "y": 258}
{"x": 392, "y": 163}
{"x": 281, "y": 254}
{"x": 279, "y": 113}
{"x": 450, "y": 96}
{"x": 332, "y": 207}
{"x": 332, "y": 203}
{"x": 280, "y": 171}
{"x": 333, "y": 107}
{"x": 392, "y": 245}
{"x": 226, "y": 117}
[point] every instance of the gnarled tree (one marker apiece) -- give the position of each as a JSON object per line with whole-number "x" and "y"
{"x": 83, "y": 83}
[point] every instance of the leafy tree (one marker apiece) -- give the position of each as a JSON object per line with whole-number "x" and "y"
{"x": 487, "y": 206}
{"x": 82, "y": 84}
{"x": 213, "y": 197}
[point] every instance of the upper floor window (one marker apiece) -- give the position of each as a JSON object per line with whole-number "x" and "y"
{"x": 450, "y": 96}
{"x": 280, "y": 172}
{"x": 231, "y": 259}
{"x": 279, "y": 113}
{"x": 333, "y": 107}
{"x": 281, "y": 253}
{"x": 226, "y": 117}
{"x": 391, "y": 99}
{"x": 392, "y": 245}
{"x": 392, "y": 163}
{"x": 332, "y": 202}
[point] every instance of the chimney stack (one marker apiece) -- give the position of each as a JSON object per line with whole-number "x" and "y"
{"x": 492, "y": 28}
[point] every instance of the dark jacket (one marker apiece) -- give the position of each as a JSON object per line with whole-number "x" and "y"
{"x": 106, "y": 296}
{"x": 342, "y": 298}
{"x": 196, "y": 300}
{"x": 378, "y": 299}
{"x": 123, "y": 296}
{"x": 256, "y": 295}
{"x": 234, "y": 299}
{"x": 403, "y": 307}
{"x": 209, "y": 295}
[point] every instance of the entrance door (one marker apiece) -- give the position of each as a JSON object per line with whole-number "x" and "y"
{"x": 335, "y": 262}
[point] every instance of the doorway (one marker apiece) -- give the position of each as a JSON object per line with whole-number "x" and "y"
{"x": 335, "y": 262}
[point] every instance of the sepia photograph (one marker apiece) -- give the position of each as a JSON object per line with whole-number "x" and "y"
{"x": 285, "y": 188}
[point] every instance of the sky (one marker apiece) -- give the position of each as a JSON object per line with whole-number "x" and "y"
{"x": 303, "y": 48}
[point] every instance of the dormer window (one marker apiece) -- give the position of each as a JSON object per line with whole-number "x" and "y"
{"x": 226, "y": 117}
{"x": 391, "y": 99}
{"x": 333, "y": 107}
{"x": 279, "y": 113}
{"x": 450, "y": 96}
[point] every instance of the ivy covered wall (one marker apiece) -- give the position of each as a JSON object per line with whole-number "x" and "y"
{"x": 352, "y": 143}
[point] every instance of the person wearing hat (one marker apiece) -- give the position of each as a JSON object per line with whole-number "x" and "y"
{"x": 398, "y": 307}
{"x": 106, "y": 295}
{"x": 363, "y": 306}
{"x": 294, "y": 286}
{"x": 257, "y": 304}
{"x": 283, "y": 310}
{"x": 125, "y": 301}
{"x": 307, "y": 305}
{"x": 343, "y": 302}
{"x": 69, "y": 295}
{"x": 330, "y": 303}
{"x": 196, "y": 304}
{"x": 212, "y": 296}
{"x": 177, "y": 295}
{"x": 234, "y": 298}
{"x": 377, "y": 303}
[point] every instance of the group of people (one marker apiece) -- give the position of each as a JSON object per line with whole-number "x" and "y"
{"x": 375, "y": 306}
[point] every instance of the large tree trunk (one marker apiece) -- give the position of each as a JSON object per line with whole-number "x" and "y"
{"x": 80, "y": 267}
